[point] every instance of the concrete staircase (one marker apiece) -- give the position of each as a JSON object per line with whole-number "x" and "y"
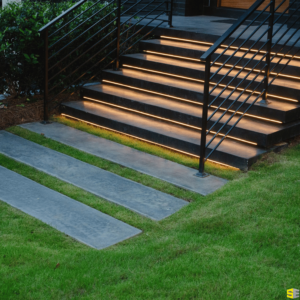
{"x": 157, "y": 96}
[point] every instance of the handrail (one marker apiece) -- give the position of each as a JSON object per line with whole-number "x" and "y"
{"x": 232, "y": 93}
{"x": 231, "y": 30}
{"x": 74, "y": 53}
{"x": 76, "y": 17}
{"x": 62, "y": 15}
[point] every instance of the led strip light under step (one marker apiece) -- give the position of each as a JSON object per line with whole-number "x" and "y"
{"x": 168, "y": 120}
{"x": 224, "y": 46}
{"x": 147, "y": 141}
{"x": 202, "y": 81}
{"x": 189, "y": 101}
{"x": 219, "y": 64}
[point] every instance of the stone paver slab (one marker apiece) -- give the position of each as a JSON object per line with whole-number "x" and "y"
{"x": 134, "y": 196}
{"x": 163, "y": 169}
{"x": 75, "y": 219}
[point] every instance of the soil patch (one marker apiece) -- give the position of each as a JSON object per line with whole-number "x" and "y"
{"x": 19, "y": 110}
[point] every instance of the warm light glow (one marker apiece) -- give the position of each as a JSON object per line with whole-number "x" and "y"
{"x": 168, "y": 120}
{"x": 225, "y": 46}
{"x": 225, "y": 165}
{"x": 164, "y": 73}
{"x": 171, "y": 55}
{"x": 142, "y": 113}
{"x": 211, "y": 83}
{"x": 183, "y": 77}
{"x": 262, "y": 71}
{"x": 147, "y": 141}
{"x": 193, "y": 102}
{"x": 185, "y": 40}
{"x": 238, "y": 67}
{"x": 284, "y": 75}
{"x": 226, "y": 65}
{"x": 252, "y": 116}
{"x": 283, "y": 98}
{"x": 188, "y": 78}
{"x": 152, "y": 92}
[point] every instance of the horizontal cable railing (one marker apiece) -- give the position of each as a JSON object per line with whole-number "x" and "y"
{"x": 91, "y": 36}
{"x": 241, "y": 66}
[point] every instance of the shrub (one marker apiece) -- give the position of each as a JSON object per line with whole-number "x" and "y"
{"x": 20, "y": 44}
{"x": 21, "y": 47}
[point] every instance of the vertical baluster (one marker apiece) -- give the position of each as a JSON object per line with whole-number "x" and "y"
{"x": 204, "y": 118}
{"x": 117, "y": 65}
{"x": 269, "y": 49}
{"x": 170, "y": 12}
{"x": 46, "y": 50}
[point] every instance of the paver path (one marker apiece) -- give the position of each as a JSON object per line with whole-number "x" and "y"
{"x": 77, "y": 220}
{"x": 141, "y": 199}
{"x": 163, "y": 169}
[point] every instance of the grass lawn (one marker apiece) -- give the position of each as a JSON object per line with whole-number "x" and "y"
{"x": 242, "y": 242}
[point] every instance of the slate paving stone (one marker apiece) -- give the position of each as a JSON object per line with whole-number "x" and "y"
{"x": 69, "y": 216}
{"x": 134, "y": 196}
{"x": 163, "y": 169}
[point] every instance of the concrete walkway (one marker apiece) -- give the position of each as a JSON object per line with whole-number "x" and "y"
{"x": 75, "y": 219}
{"x": 134, "y": 196}
{"x": 163, "y": 169}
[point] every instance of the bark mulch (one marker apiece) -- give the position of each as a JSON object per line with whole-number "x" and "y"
{"x": 16, "y": 110}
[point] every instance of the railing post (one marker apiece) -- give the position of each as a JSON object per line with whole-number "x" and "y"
{"x": 268, "y": 56}
{"x": 117, "y": 65}
{"x": 46, "y": 109}
{"x": 170, "y": 12}
{"x": 204, "y": 118}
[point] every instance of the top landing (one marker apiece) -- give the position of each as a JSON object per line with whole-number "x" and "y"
{"x": 210, "y": 28}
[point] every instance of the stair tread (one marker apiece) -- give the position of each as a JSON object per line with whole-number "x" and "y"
{"x": 192, "y": 136}
{"x": 168, "y": 61}
{"x": 186, "y": 108}
{"x": 177, "y": 44}
{"x": 201, "y": 68}
{"x": 203, "y": 48}
{"x": 196, "y": 87}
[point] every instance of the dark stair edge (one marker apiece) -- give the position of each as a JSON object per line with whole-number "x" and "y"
{"x": 212, "y": 38}
{"x": 262, "y": 139}
{"x": 278, "y": 90}
{"x": 257, "y": 109}
{"x": 163, "y": 140}
{"x": 196, "y": 54}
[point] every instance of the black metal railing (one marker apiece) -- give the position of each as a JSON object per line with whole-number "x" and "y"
{"x": 91, "y": 36}
{"x": 238, "y": 68}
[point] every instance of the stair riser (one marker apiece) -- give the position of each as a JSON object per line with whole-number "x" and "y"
{"x": 211, "y": 38}
{"x": 262, "y": 111}
{"x": 200, "y": 75}
{"x": 195, "y": 54}
{"x": 163, "y": 140}
{"x": 246, "y": 134}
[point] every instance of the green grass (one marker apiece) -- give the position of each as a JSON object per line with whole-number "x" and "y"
{"x": 241, "y": 242}
{"x": 104, "y": 164}
{"x": 211, "y": 168}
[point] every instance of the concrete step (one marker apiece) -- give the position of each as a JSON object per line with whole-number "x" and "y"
{"x": 195, "y": 51}
{"x": 164, "y": 133}
{"x": 276, "y": 111}
{"x": 252, "y": 130}
{"x": 155, "y": 166}
{"x": 79, "y": 221}
{"x": 146, "y": 201}
{"x": 208, "y": 29}
{"x": 281, "y": 89}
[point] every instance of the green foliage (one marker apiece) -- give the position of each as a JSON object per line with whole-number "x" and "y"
{"x": 22, "y": 47}
{"x": 241, "y": 242}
